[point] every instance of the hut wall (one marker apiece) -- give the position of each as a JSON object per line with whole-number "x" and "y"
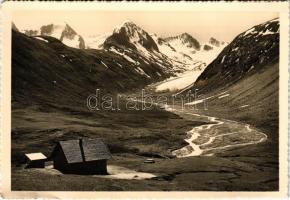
{"x": 91, "y": 167}
{"x": 59, "y": 160}
{"x": 36, "y": 164}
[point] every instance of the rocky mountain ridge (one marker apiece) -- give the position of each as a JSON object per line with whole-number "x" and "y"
{"x": 182, "y": 51}
{"x": 63, "y": 32}
{"x": 250, "y": 52}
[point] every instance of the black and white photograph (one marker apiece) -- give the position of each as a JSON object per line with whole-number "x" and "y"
{"x": 140, "y": 100}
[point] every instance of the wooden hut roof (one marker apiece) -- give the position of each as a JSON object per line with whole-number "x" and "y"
{"x": 72, "y": 151}
{"x": 95, "y": 149}
{"x": 84, "y": 149}
{"x": 35, "y": 156}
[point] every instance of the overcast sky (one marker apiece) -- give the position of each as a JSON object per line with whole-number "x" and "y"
{"x": 201, "y": 25}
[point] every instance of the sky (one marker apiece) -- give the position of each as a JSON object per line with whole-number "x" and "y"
{"x": 202, "y": 25}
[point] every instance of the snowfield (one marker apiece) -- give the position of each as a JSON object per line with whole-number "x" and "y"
{"x": 178, "y": 83}
{"x": 96, "y": 41}
{"x": 72, "y": 42}
{"x": 192, "y": 71}
{"x": 191, "y": 61}
{"x": 40, "y": 38}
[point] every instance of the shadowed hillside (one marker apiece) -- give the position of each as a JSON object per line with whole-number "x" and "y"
{"x": 242, "y": 83}
{"x": 45, "y": 69}
{"x": 248, "y": 54}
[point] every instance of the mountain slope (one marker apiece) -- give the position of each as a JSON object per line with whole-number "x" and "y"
{"x": 63, "y": 32}
{"x": 250, "y": 52}
{"x": 242, "y": 83}
{"x": 190, "y": 58}
{"x": 176, "y": 54}
{"x": 184, "y": 50}
{"x": 185, "y": 39}
{"x": 45, "y": 69}
{"x": 130, "y": 38}
{"x": 96, "y": 41}
{"x": 129, "y": 35}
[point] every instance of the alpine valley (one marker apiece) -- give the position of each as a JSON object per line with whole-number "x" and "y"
{"x": 225, "y": 138}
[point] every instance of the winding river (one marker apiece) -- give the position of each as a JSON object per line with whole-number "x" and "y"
{"x": 217, "y": 136}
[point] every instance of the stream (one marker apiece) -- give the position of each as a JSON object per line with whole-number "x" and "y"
{"x": 217, "y": 136}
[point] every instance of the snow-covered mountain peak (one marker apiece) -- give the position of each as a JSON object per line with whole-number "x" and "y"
{"x": 248, "y": 53}
{"x": 62, "y": 31}
{"x": 55, "y": 30}
{"x": 267, "y": 28}
{"x": 129, "y": 35}
{"x": 184, "y": 39}
{"x": 128, "y": 26}
{"x": 126, "y": 23}
{"x": 213, "y": 41}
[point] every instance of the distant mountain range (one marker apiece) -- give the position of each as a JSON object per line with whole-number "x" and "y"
{"x": 131, "y": 58}
{"x": 183, "y": 51}
{"x": 64, "y": 32}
